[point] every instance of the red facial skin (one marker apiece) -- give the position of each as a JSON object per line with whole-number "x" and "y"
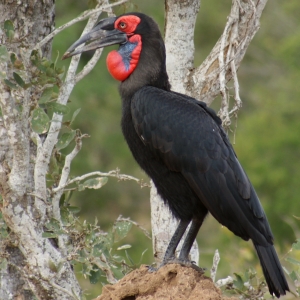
{"x": 115, "y": 61}
{"x": 127, "y": 24}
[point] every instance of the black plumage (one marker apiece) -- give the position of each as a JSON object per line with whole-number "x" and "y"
{"x": 180, "y": 143}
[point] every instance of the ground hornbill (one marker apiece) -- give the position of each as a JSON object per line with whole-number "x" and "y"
{"x": 180, "y": 143}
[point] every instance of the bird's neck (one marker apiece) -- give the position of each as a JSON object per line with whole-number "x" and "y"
{"x": 149, "y": 71}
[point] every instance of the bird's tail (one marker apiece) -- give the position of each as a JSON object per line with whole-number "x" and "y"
{"x": 272, "y": 270}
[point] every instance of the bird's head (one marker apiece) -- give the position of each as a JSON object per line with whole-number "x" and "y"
{"x": 141, "y": 47}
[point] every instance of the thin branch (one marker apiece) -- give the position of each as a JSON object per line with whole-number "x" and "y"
{"x": 37, "y": 139}
{"x": 67, "y": 166}
{"x": 92, "y": 62}
{"x": 238, "y": 101}
{"x": 43, "y": 157}
{"x": 62, "y": 239}
{"x": 64, "y": 290}
{"x": 147, "y": 234}
{"x": 222, "y": 78}
{"x": 204, "y": 80}
{"x": 89, "y": 66}
{"x": 81, "y": 17}
{"x": 113, "y": 173}
{"x": 107, "y": 270}
{"x": 214, "y": 268}
{"x": 224, "y": 281}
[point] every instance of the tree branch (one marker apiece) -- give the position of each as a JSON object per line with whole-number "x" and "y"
{"x": 113, "y": 173}
{"x": 242, "y": 24}
{"x": 88, "y": 13}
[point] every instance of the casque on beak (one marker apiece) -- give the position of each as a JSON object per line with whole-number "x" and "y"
{"x": 102, "y": 35}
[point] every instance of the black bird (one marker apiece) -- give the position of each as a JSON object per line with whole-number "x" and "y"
{"x": 180, "y": 143}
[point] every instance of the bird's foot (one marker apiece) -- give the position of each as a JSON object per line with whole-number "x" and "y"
{"x": 187, "y": 263}
{"x": 182, "y": 262}
{"x": 152, "y": 269}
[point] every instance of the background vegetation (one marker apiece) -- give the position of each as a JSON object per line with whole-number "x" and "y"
{"x": 267, "y": 138}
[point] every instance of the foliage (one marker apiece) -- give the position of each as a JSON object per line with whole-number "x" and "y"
{"x": 246, "y": 286}
{"x": 98, "y": 254}
{"x": 293, "y": 258}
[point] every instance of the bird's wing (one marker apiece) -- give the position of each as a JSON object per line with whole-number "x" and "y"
{"x": 187, "y": 136}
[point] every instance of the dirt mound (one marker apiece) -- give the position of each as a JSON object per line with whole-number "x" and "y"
{"x": 171, "y": 282}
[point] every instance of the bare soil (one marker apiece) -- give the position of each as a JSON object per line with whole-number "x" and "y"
{"x": 171, "y": 282}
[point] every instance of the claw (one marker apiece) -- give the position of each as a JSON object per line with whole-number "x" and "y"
{"x": 173, "y": 260}
{"x": 152, "y": 269}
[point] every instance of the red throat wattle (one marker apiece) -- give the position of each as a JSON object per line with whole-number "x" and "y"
{"x": 122, "y": 62}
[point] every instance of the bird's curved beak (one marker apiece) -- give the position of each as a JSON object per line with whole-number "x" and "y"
{"x": 102, "y": 35}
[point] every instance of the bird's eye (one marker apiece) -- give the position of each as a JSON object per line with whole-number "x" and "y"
{"x": 122, "y": 25}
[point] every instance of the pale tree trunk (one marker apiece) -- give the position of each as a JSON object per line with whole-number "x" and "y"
{"x": 180, "y": 18}
{"x": 32, "y": 265}
{"x": 204, "y": 82}
{"x": 29, "y": 256}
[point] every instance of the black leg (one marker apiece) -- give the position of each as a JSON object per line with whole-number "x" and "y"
{"x": 189, "y": 240}
{"x": 170, "y": 252}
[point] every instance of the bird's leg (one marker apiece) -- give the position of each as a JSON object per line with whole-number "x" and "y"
{"x": 170, "y": 252}
{"x": 189, "y": 240}
{"x": 187, "y": 245}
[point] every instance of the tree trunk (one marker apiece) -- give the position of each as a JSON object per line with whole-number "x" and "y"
{"x": 180, "y": 19}
{"x": 204, "y": 82}
{"x": 31, "y": 260}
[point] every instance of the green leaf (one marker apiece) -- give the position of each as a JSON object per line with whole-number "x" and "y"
{"x": 46, "y": 95}
{"x": 296, "y": 246}
{"x": 95, "y": 276}
{"x": 10, "y": 84}
{"x": 19, "y": 79}
{"x": 39, "y": 121}
{"x": 76, "y": 112}
{"x": 53, "y": 224}
{"x": 4, "y": 55}
{"x": 293, "y": 261}
{"x": 73, "y": 209}
{"x": 127, "y": 246}
{"x": 65, "y": 139}
{"x": 52, "y": 266}
{"x": 9, "y": 29}
{"x": 3, "y": 264}
{"x": 121, "y": 230}
{"x": 293, "y": 276}
{"x": 239, "y": 283}
{"x": 117, "y": 272}
{"x": 2, "y": 75}
{"x": 100, "y": 264}
{"x": 98, "y": 248}
{"x": 13, "y": 58}
{"x": 49, "y": 235}
{"x": 94, "y": 183}
{"x": 58, "y": 108}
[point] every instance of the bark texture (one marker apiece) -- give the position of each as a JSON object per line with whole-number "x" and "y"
{"x": 202, "y": 82}
{"x": 31, "y": 259}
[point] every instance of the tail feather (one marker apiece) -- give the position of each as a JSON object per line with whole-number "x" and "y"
{"x": 272, "y": 270}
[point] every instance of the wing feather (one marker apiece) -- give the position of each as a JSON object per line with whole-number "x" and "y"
{"x": 187, "y": 136}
